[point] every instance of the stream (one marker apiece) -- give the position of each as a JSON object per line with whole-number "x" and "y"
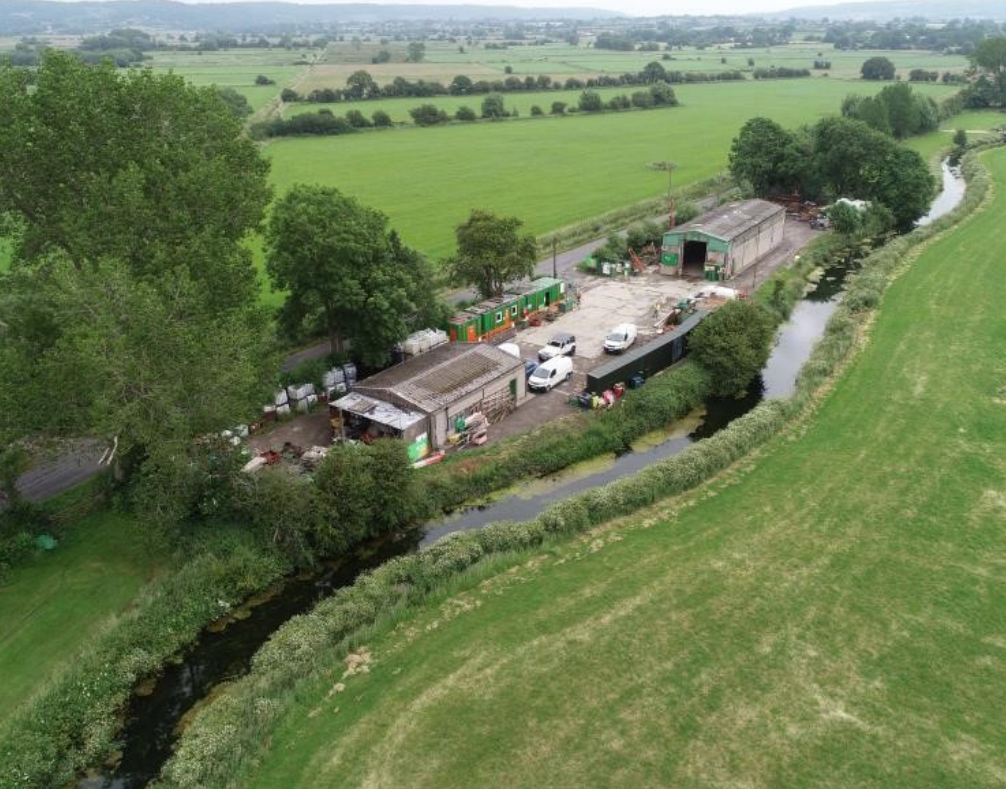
{"x": 159, "y": 709}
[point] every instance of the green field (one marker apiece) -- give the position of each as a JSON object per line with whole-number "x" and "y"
{"x": 833, "y": 614}
{"x": 929, "y": 145}
{"x": 551, "y": 172}
{"x": 53, "y": 605}
{"x": 443, "y": 61}
{"x": 236, "y": 68}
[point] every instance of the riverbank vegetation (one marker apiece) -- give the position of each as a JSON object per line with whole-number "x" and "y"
{"x": 781, "y": 570}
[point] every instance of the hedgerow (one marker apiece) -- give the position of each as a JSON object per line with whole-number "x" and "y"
{"x": 220, "y": 746}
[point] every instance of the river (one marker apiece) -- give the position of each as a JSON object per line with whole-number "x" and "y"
{"x": 160, "y": 709}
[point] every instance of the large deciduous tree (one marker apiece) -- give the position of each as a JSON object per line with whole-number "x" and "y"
{"x": 990, "y": 57}
{"x": 768, "y": 157}
{"x": 877, "y": 68}
{"x": 343, "y": 269}
{"x": 733, "y": 344}
{"x": 130, "y": 313}
{"x": 492, "y": 253}
{"x": 134, "y": 166}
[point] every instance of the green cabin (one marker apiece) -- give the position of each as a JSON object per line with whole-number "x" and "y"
{"x": 488, "y": 318}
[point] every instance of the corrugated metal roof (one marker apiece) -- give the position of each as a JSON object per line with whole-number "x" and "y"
{"x": 731, "y": 220}
{"x": 378, "y": 411}
{"x": 633, "y": 355}
{"x": 433, "y": 380}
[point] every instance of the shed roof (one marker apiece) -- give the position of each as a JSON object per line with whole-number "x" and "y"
{"x": 732, "y": 219}
{"x": 436, "y": 379}
{"x": 378, "y": 411}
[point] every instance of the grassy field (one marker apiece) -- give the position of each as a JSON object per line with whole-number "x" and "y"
{"x": 57, "y": 602}
{"x": 831, "y": 615}
{"x": 551, "y": 172}
{"x": 237, "y": 68}
{"x": 979, "y": 121}
{"x": 443, "y": 61}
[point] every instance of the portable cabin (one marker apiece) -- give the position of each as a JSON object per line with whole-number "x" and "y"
{"x": 722, "y": 243}
{"x": 491, "y": 318}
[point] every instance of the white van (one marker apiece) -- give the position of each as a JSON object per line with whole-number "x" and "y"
{"x": 621, "y": 337}
{"x": 551, "y": 373}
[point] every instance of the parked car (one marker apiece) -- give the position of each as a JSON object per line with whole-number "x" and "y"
{"x": 561, "y": 344}
{"x": 621, "y": 337}
{"x": 551, "y": 373}
{"x": 530, "y": 365}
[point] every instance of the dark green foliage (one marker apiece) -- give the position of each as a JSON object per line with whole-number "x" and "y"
{"x": 896, "y": 110}
{"x": 465, "y": 114}
{"x": 620, "y": 102}
{"x": 536, "y": 111}
{"x": 768, "y": 157}
{"x": 344, "y": 269}
{"x": 663, "y": 95}
{"x": 961, "y": 138}
{"x": 990, "y": 58}
{"x": 428, "y": 115}
{"x": 493, "y": 106}
{"x": 642, "y": 99}
{"x": 262, "y": 79}
{"x": 558, "y": 108}
{"x": 591, "y": 101}
{"x": 733, "y": 344}
{"x": 357, "y": 120}
{"x": 780, "y": 72}
{"x": 321, "y": 123}
{"x": 878, "y": 68}
{"x": 235, "y": 101}
{"x": 289, "y": 94}
{"x": 381, "y": 119}
{"x": 492, "y": 252}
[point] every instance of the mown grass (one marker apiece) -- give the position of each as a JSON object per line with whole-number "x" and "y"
{"x": 929, "y": 145}
{"x": 60, "y": 600}
{"x": 830, "y": 615}
{"x": 548, "y": 171}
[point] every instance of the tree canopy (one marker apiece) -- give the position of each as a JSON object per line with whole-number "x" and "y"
{"x": 897, "y": 110}
{"x": 344, "y": 270}
{"x": 878, "y": 68}
{"x": 492, "y": 253}
{"x": 768, "y": 157}
{"x": 990, "y": 57}
{"x": 131, "y": 299}
{"x": 733, "y": 344}
{"x": 134, "y": 166}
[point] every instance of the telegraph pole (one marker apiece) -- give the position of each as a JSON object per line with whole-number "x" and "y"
{"x": 555, "y": 268}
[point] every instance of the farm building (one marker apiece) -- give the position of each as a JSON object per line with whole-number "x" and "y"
{"x": 496, "y": 319}
{"x": 722, "y": 243}
{"x": 421, "y": 399}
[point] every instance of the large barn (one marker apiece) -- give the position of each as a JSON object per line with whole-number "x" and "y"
{"x": 421, "y": 399}
{"x": 722, "y": 243}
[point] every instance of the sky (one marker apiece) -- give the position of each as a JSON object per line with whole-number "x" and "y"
{"x": 635, "y": 7}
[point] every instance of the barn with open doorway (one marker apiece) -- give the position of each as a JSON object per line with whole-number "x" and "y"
{"x": 719, "y": 245}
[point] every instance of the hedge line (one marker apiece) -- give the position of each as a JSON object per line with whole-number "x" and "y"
{"x": 221, "y": 745}
{"x": 73, "y": 721}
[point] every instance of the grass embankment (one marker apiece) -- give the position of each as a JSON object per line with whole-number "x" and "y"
{"x": 830, "y": 615}
{"x": 977, "y": 121}
{"x": 60, "y": 600}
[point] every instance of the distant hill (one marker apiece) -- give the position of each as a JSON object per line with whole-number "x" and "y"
{"x": 936, "y": 10}
{"x": 24, "y": 17}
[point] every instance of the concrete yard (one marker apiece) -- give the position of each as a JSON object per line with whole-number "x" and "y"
{"x": 605, "y": 303}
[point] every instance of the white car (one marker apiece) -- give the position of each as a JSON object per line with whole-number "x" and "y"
{"x": 561, "y": 344}
{"x": 551, "y": 373}
{"x": 621, "y": 337}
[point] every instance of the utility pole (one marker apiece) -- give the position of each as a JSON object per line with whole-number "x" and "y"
{"x": 669, "y": 167}
{"x": 555, "y": 269}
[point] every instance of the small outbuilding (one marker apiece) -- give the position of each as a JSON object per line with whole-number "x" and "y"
{"x": 424, "y": 399}
{"x": 721, "y": 244}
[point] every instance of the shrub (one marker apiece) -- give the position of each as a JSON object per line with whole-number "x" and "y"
{"x": 428, "y": 115}
{"x": 381, "y": 119}
{"x": 559, "y": 108}
{"x": 356, "y": 119}
{"x": 289, "y": 94}
{"x": 465, "y": 114}
{"x": 262, "y": 79}
{"x": 733, "y": 344}
{"x": 536, "y": 110}
{"x": 493, "y": 106}
{"x": 590, "y": 101}
{"x": 878, "y": 68}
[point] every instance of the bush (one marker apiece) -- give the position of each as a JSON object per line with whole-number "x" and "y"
{"x": 733, "y": 344}
{"x": 428, "y": 115}
{"x": 381, "y": 119}
{"x": 559, "y": 108}
{"x": 878, "y": 68}
{"x": 322, "y": 122}
{"x": 493, "y": 106}
{"x": 466, "y": 114}
{"x": 590, "y": 101}
{"x": 536, "y": 111}
{"x": 356, "y": 119}
{"x": 289, "y": 94}
{"x": 262, "y": 79}
{"x": 642, "y": 99}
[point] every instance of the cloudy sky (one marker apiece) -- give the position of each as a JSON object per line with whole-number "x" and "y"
{"x": 645, "y": 7}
